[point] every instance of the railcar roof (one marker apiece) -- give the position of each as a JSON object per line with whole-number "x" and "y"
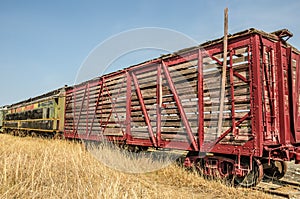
{"x": 37, "y": 98}
{"x": 274, "y": 36}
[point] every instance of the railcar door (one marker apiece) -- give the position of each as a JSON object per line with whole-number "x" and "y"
{"x": 294, "y": 83}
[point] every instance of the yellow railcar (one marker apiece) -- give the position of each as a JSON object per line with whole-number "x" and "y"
{"x": 42, "y": 115}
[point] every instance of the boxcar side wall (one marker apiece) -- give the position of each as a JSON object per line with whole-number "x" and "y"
{"x": 157, "y": 103}
{"x": 172, "y": 101}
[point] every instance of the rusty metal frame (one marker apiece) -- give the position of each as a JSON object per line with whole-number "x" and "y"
{"x": 96, "y": 106}
{"x": 164, "y": 64}
{"x": 292, "y": 93}
{"x": 200, "y": 101}
{"x": 128, "y": 107}
{"x": 113, "y": 102}
{"x": 74, "y": 113}
{"x": 159, "y": 104}
{"x": 284, "y": 136}
{"x": 81, "y": 107}
{"x": 87, "y": 110}
{"x": 264, "y": 78}
{"x": 256, "y": 93}
{"x": 211, "y": 146}
{"x": 234, "y": 72}
{"x": 297, "y": 94}
{"x": 274, "y": 116}
{"x": 144, "y": 109}
{"x": 179, "y": 106}
{"x": 232, "y": 93}
{"x": 215, "y": 147}
{"x": 195, "y": 140}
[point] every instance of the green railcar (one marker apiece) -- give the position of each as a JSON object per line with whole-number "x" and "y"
{"x": 2, "y": 113}
{"x": 39, "y": 115}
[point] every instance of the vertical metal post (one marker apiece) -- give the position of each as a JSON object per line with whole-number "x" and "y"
{"x": 87, "y": 110}
{"x": 273, "y": 99}
{"x": 292, "y": 92}
{"x": 256, "y": 95}
{"x": 64, "y": 113}
{"x": 266, "y": 87}
{"x": 232, "y": 95}
{"x": 102, "y": 100}
{"x": 200, "y": 101}
{"x": 74, "y": 111}
{"x": 223, "y": 84}
{"x": 128, "y": 107}
{"x": 284, "y": 134}
{"x": 159, "y": 104}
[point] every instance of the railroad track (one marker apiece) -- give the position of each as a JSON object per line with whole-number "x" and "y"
{"x": 282, "y": 188}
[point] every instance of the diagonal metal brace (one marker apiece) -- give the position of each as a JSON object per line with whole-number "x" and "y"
{"x": 179, "y": 105}
{"x": 144, "y": 110}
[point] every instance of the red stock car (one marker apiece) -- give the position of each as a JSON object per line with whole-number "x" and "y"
{"x": 173, "y": 102}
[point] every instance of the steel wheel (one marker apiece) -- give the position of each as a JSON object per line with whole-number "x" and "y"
{"x": 253, "y": 177}
{"x": 275, "y": 171}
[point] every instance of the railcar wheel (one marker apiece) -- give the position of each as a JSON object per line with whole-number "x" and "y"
{"x": 58, "y": 136}
{"x": 253, "y": 177}
{"x": 275, "y": 171}
{"x": 33, "y": 134}
{"x": 199, "y": 166}
{"x": 134, "y": 149}
{"x": 219, "y": 168}
{"x": 22, "y": 133}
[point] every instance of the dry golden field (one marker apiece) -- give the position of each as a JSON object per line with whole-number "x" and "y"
{"x": 43, "y": 168}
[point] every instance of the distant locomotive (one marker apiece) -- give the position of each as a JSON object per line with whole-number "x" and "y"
{"x": 172, "y": 102}
{"x": 40, "y": 115}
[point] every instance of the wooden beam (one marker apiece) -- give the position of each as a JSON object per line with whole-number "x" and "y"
{"x": 223, "y": 72}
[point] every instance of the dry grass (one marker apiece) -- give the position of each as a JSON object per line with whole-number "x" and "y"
{"x": 39, "y": 168}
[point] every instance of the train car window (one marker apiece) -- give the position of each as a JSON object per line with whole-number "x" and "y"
{"x": 19, "y": 116}
{"x": 23, "y": 115}
{"x": 38, "y": 114}
{"x": 34, "y": 114}
{"x": 31, "y": 114}
{"x": 56, "y": 100}
{"x": 48, "y": 113}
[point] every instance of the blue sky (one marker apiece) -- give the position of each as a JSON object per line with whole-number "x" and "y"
{"x": 44, "y": 43}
